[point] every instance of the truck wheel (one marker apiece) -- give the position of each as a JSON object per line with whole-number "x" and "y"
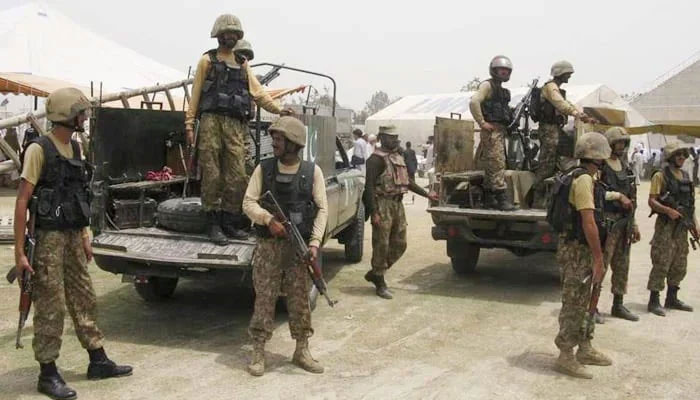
{"x": 354, "y": 246}
{"x": 157, "y": 288}
{"x": 182, "y": 215}
{"x": 465, "y": 262}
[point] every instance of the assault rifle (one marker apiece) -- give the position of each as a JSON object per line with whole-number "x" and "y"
{"x": 686, "y": 220}
{"x": 300, "y": 247}
{"x": 522, "y": 130}
{"x": 589, "y": 322}
{"x": 25, "y": 281}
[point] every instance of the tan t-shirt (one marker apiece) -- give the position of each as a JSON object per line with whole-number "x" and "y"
{"x": 581, "y": 193}
{"x": 261, "y": 216}
{"x": 551, "y": 93}
{"x": 261, "y": 97}
{"x": 658, "y": 183}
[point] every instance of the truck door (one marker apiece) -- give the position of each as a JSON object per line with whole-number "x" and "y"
{"x": 453, "y": 145}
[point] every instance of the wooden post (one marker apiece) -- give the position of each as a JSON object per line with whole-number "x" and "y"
{"x": 171, "y": 102}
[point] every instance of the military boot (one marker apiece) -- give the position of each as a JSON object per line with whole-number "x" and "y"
{"x": 216, "y": 235}
{"x": 229, "y": 224}
{"x": 620, "y": 311}
{"x": 378, "y": 281}
{"x": 587, "y": 355}
{"x": 654, "y": 305}
{"x": 567, "y": 364}
{"x": 672, "y": 301}
{"x": 502, "y": 202}
{"x": 257, "y": 361}
{"x": 101, "y": 367}
{"x": 489, "y": 201}
{"x": 52, "y": 384}
{"x": 302, "y": 358}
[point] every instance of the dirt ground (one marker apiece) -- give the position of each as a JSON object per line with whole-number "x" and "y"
{"x": 485, "y": 336}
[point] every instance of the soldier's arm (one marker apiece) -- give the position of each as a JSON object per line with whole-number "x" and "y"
{"x": 655, "y": 191}
{"x": 415, "y": 188}
{"x": 24, "y": 193}
{"x": 482, "y": 93}
{"x": 375, "y": 167}
{"x": 251, "y": 207}
{"x": 199, "y": 77}
{"x": 552, "y": 94}
{"x": 319, "y": 194}
{"x": 261, "y": 97}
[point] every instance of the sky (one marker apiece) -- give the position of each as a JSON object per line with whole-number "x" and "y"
{"x": 407, "y": 48}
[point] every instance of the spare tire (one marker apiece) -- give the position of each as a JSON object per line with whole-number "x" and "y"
{"x": 182, "y": 215}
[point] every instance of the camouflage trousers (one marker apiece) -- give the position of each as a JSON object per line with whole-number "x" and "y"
{"x": 61, "y": 280}
{"x": 575, "y": 265}
{"x": 617, "y": 258}
{"x": 491, "y": 157}
{"x": 547, "y": 158}
{"x": 276, "y": 271}
{"x": 389, "y": 236}
{"x": 222, "y": 160}
{"x": 669, "y": 254}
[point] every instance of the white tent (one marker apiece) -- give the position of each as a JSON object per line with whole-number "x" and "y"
{"x": 414, "y": 116}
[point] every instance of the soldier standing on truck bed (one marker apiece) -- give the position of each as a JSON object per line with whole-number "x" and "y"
{"x": 490, "y": 108}
{"x": 300, "y": 189}
{"x": 580, "y": 258}
{"x": 554, "y": 109}
{"x": 223, "y": 89}
{"x": 672, "y": 196}
{"x": 386, "y": 182}
{"x": 619, "y": 178}
{"x": 55, "y": 173}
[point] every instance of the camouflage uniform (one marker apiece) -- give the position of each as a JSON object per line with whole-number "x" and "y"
{"x": 547, "y": 159}
{"x": 389, "y": 236}
{"x": 669, "y": 254}
{"x": 575, "y": 264}
{"x": 222, "y": 159}
{"x": 61, "y": 280}
{"x": 491, "y": 157}
{"x": 617, "y": 257}
{"x": 275, "y": 270}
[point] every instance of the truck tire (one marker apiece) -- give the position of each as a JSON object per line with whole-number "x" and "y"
{"x": 465, "y": 262}
{"x": 157, "y": 288}
{"x": 354, "y": 246}
{"x": 182, "y": 215}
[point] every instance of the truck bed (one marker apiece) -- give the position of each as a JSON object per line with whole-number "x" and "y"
{"x": 522, "y": 215}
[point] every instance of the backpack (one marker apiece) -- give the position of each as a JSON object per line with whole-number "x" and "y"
{"x": 560, "y": 214}
{"x": 535, "y": 105}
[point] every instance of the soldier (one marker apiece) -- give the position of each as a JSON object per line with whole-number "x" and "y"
{"x": 300, "y": 189}
{"x": 490, "y": 108}
{"x": 553, "y": 114}
{"x": 386, "y": 183}
{"x": 580, "y": 258}
{"x": 55, "y": 173}
{"x": 619, "y": 178}
{"x": 671, "y": 196}
{"x": 223, "y": 88}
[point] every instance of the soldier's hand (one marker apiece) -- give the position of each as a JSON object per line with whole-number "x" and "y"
{"x": 87, "y": 247}
{"x": 276, "y": 228}
{"x": 314, "y": 253}
{"x": 433, "y": 196}
{"x": 22, "y": 265}
{"x": 588, "y": 119}
{"x": 286, "y": 112}
{"x": 673, "y": 214}
{"x": 626, "y": 202}
{"x": 375, "y": 219}
{"x": 488, "y": 127}
{"x": 636, "y": 236}
{"x": 598, "y": 271}
{"x": 189, "y": 135}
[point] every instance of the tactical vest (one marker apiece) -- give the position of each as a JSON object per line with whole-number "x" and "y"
{"x": 496, "y": 109}
{"x": 548, "y": 114}
{"x": 225, "y": 90}
{"x": 62, "y": 190}
{"x": 618, "y": 181}
{"x": 294, "y": 193}
{"x": 394, "y": 180}
{"x": 678, "y": 193}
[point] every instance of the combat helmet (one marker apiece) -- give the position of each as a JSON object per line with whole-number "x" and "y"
{"x": 562, "y": 67}
{"x": 672, "y": 149}
{"x": 227, "y": 23}
{"x": 499, "y": 61}
{"x": 63, "y": 105}
{"x": 244, "y": 49}
{"x": 592, "y": 146}
{"x": 616, "y": 134}
{"x": 388, "y": 130}
{"x": 291, "y": 128}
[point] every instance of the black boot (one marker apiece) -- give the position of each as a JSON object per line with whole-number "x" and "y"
{"x": 52, "y": 384}
{"x": 502, "y": 202}
{"x": 216, "y": 235}
{"x": 378, "y": 281}
{"x": 229, "y": 224}
{"x": 672, "y": 301}
{"x": 620, "y": 311}
{"x": 489, "y": 200}
{"x": 102, "y": 367}
{"x": 654, "y": 306}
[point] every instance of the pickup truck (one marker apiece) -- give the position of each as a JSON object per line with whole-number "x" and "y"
{"x": 152, "y": 231}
